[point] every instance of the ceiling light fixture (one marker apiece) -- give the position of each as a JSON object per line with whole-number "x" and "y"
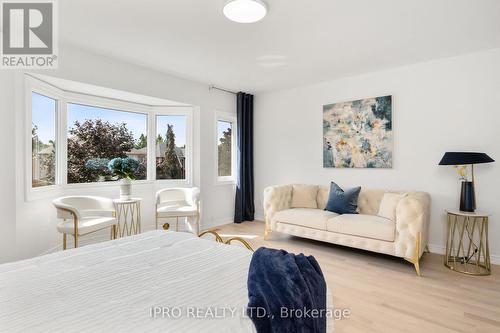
{"x": 245, "y": 11}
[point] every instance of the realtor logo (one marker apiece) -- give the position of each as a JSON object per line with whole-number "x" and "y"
{"x": 28, "y": 36}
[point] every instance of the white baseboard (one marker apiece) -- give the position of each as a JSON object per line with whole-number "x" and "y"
{"x": 433, "y": 248}
{"x": 56, "y": 248}
{"x": 439, "y": 249}
{"x": 219, "y": 223}
{"x": 103, "y": 235}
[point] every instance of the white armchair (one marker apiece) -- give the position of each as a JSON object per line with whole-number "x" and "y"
{"x": 179, "y": 203}
{"x": 82, "y": 215}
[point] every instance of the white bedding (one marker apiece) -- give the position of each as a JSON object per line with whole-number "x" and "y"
{"x": 116, "y": 286}
{"x": 112, "y": 287}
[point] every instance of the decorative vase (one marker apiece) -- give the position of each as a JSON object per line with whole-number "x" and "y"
{"x": 467, "y": 197}
{"x": 125, "y": 189}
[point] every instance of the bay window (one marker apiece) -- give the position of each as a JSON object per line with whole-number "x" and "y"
{"x": 96, "y": 135}
{"x": 171, "y": 146}
{"x": 43, "y": 140}
{"x": 73, "y": 136}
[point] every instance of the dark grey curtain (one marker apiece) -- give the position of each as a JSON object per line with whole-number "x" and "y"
{"x": 244, "y": 209}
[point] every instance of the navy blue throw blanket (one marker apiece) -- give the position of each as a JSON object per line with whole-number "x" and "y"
{"x": 286, "y": 292}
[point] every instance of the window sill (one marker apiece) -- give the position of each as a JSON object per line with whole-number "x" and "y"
{"x": 225, "y": 182}
{"x": 104, "y": 184}
{"x": 54, "y": 191}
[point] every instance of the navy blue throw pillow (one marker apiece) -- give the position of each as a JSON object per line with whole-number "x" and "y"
{"x": 342, "y": 202}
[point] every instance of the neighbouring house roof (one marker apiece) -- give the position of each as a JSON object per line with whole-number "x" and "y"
{"x": 142, "y": 151}
{"x": 46, "y": 151}
{"x": 161, "y": 148}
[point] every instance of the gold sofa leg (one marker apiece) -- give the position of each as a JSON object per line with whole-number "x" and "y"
{"x": 416, "y": 256}
{"x": 267, "y": 230}
{"x": 266, "y": 233}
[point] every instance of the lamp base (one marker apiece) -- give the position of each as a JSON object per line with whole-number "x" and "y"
{"x": 467, "y": 197}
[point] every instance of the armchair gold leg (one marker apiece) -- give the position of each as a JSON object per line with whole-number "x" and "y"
{"x": 113, "y": 231}
{"x": 156, "y": 216}
{"x": 416, "y": 256}
{"x": 197, "y": 224}
{"x": 75, "y": 236}
{"x": 64, "y": 242}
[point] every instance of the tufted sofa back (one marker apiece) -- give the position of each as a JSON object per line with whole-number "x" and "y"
{"x": 412, "y": 212}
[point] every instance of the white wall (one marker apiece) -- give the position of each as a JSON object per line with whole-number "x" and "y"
{"x": 32, "y": 225}
{"x": 445, "y": 105}
{"x": 7, "y": 169}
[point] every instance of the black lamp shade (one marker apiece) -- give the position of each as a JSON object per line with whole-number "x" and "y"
{"x": 463, "y": 158}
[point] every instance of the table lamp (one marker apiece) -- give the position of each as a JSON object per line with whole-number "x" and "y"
{"x": 467, "y": 195}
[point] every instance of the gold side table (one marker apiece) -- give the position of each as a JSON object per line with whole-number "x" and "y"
{"x": 128, "y": 215}
{"x": 467, "y": 249}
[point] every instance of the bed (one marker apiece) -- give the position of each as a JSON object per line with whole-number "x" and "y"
{"x": 152, "y": 282}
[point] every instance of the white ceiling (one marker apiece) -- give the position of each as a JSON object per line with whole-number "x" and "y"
{"x": 298, "y": 42}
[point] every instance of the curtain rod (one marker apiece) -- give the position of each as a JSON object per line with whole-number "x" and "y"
{"x": 211, "y": 87}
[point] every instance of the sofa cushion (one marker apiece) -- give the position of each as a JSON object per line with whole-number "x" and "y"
{"x": 306, "y": 217}
{"x": 369, "y": 226}
{"x": 389, "y": 204}
{"x": 304, "y": 196}
{"x": 368, "y": 200}
{"x": 342, "y": 202}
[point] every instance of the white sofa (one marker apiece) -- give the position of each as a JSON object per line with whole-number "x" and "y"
{"x": 405, "y": 236}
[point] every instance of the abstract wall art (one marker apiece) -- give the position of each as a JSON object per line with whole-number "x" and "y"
{"x": 358, "y": 134}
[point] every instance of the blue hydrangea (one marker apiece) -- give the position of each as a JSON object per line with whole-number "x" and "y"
{"x": 97, "y": 164}
{"x": 129, "y": 165}
{"x": 123, "y": 167}
{"x": 115, "y": 165}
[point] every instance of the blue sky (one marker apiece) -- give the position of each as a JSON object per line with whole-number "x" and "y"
{"x": 221, "y": 127}
{"x": 179, "y": 123}
{"x": 43, "y": 116}
{"x": 136, "y": 122}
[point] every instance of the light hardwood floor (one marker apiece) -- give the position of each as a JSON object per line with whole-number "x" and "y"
{"x": 384, "y": 294}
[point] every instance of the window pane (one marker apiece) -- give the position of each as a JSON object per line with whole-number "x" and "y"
{"x": 171, "y": 147}
{"x": 224, "y": 135}
{"x": 43, "y": 140}
{"x": 97, "y": 135}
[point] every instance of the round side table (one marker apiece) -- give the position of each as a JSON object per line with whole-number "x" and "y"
{"x": 128, "y": 215}
{"x": 467, "y": 249}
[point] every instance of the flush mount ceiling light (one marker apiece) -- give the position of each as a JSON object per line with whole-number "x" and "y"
{"x": 245, "y": 11}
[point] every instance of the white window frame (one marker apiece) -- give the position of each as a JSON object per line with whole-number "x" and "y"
{"x": 105, "y": 103}
{"x": 175, "y": 111}
{"x": 33, "y": 86}
{"x": 62, "y": 98}
{"x": 230, "y": 118}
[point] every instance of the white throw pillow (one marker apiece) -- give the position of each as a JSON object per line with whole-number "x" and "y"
{"x": 304, "y": 196}
{"x": 388, "y": 205}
